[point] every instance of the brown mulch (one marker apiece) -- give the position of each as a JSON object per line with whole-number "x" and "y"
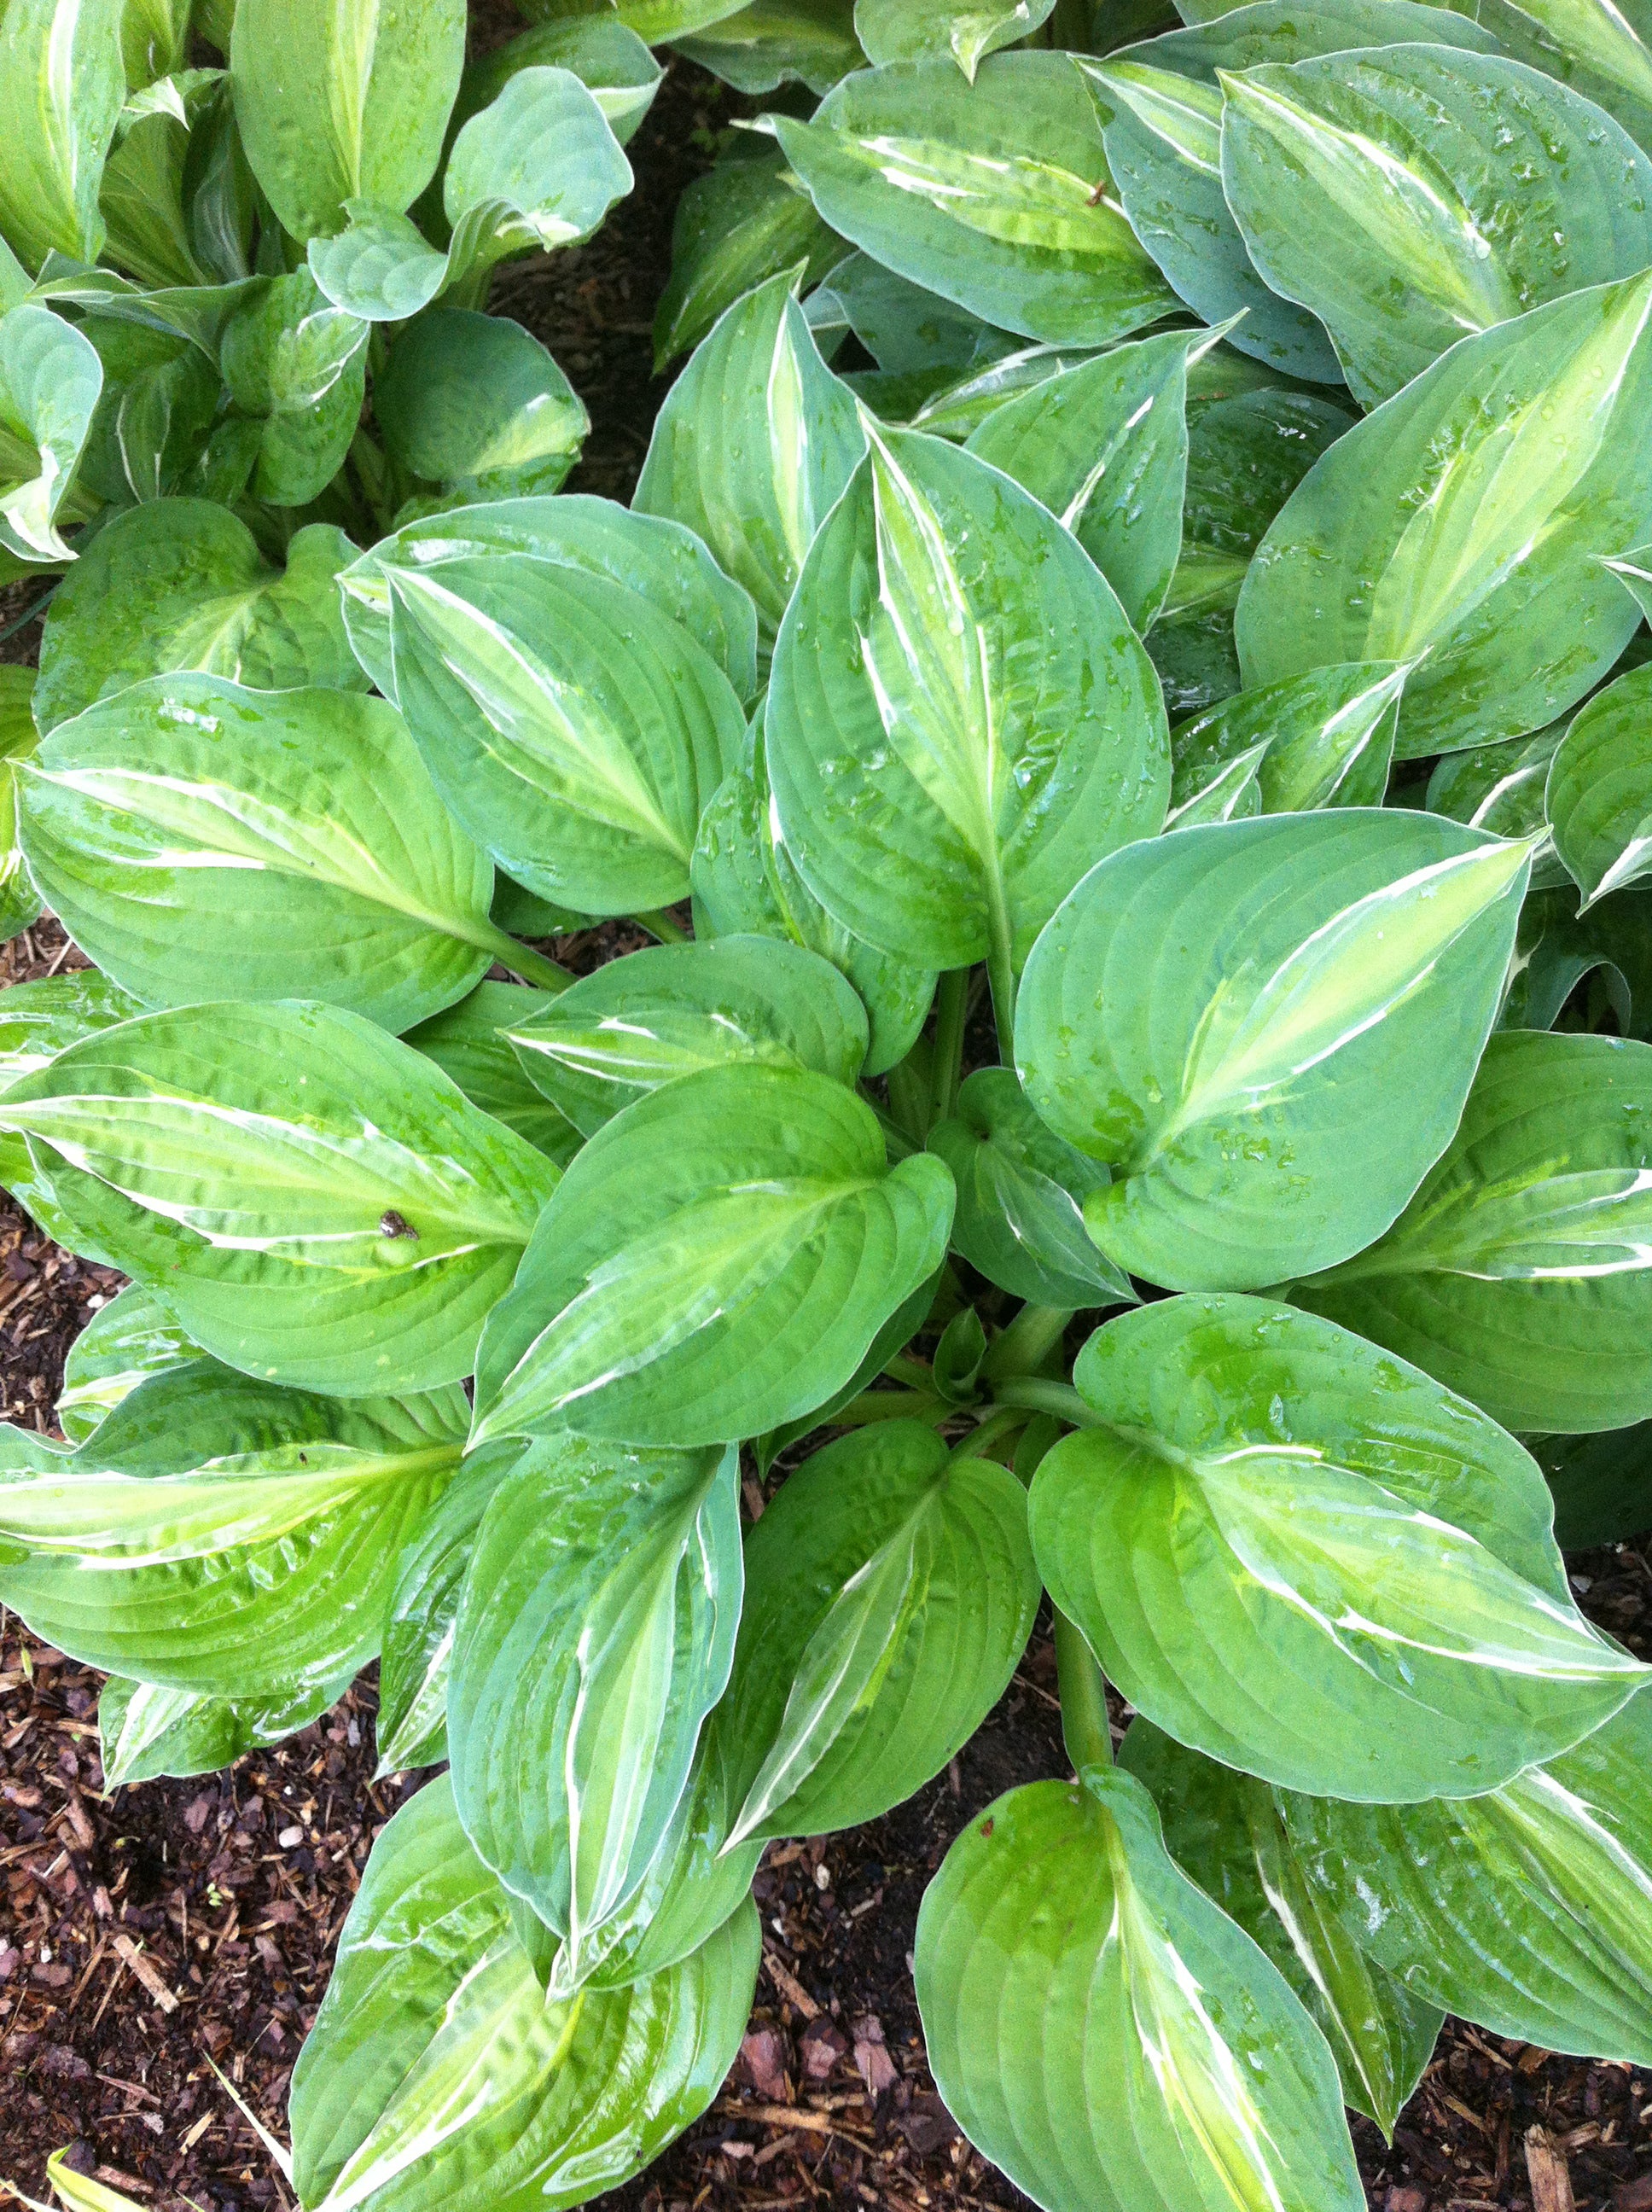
{"x": 142, "y": 1932}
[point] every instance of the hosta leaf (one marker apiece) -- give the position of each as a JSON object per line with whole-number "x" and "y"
{"x": 745, "y": 883}
{"x": 61, "y": 89}
{"x": 734, "y": 228}
{"x": 959, "y": 407}
{"x": 903, "y": 327}
{"x": 153, "y": 39}
{"x": 180, "y": 583}
{"x": 37, "y": 1021}
{"x": 1528, "y": 1909}
{"x": 1598, "y": 795}
{"x": 992, "y": 194}
{"x": 754, "y": 445}
{"x": 1519, "y": 1273}
{"x": 438, "y": 2075}
{"x": 352, "y": 883}
{"x": 152, "y": 433}
{"x": 918, "y": 30}
{"x": 50, "y": 380}
{"x": 595, "y": 1632}
{"x": 770, "y": 43}
{"x": 717, "y": 1261}
{"x": 1280, "y": 31}
{"x": 19, "y": 900}
{"x": 606, "y": 56}
{"x": 1500, "y": 787}
{"x": 1326, "y": 739}
{"x": 1163, "y": 145}
{"x": 468, "y": 1042}
{"x": 536, "y": 169}
{"x": 660, "y": 561}
{"x": 124, "y": 1343}
{"x": 1418, "y": 194}
{"x": 1602, "y": 1485}
{"x": 474, "y": 403}
{"x": 416, "y": 1657}
{"x": 1359, "y": 1596}
{"x": 1108, "y": 2036}
{"x": 317, "y": 1201}
{"x": 961, "y": 721}
{"x": 1105, "y": 448}
{"x": 1610, "y": 948}
{"x": 298, "y": 364}
{"x": 224, "y": 1534}
{"x": 340, "y": 104}
{"x": 1223, "y": 1016}
{"x": 1458, "y": 522}
{"x": 1020, "y": 1196}
{"x": 644, "y": 1020}
{"x": 145, "y": 1731}
{"x": 1227, "y": 1831}
{"x": 890, "y": 1592}
{"x": 1605, "y": 52}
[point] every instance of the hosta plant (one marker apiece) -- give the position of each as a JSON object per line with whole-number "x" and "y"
{"x": 1116, "y": 732}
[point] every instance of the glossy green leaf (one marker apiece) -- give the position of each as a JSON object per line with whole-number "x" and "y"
{"x": 961, "y": 721}
{"x": 416, "y": 1657}
{"x": 606, "y": 56}
{"x": 1500, "y": 787}
{"x": 298, "y": 364}
{"x": 1458, "y": 521}
{"x": 992, "y": 194}
{"x": 61, "y": 89}
{"x": 1602, "y": 1485}
{"x": 754, "y": 445}
{"x": 1519, "y": 1273}
{"x": 1227, "y": 1831}
{"x": 469, "y": 1044}
{"x": 1327, "y": 740}
{"x": 902, "y": 326}
{"x": 890, "y": 1592}
{"x": 1162, "y": 139}
{"x": 37, "y": 1021}
{"x": 1528, "y": 1909}
{"x": 132, "y": 1337}
{"x": 1105, "y": 448}
{"x": 770, "y": 43}
{"x": 595, "y": 1632}
{"x": 180, "y": 583}
{"x": 660, "y": 561}
{"x": 1418, "y": 194}
{"x": 958, "y": 408}
{"x": 745, "y": 884}
{"x": 1020, "y": 1196}
{"x": 146, "y": 1731}
{"x": 1358, "y": 1596}
{"x": 918, "y": 30}
{"x": 1598, "y": 795}
{"x": 645, "y": 1019}
{"x": 536, "y": 169}
{"x": 316, "y": 1200}
{"x": 310, "y": 812}
{"x": 1603, "y": 51}
{"x": 1221, "y": 38}
{"x": 716, "y": 1261}
{"x": 1224, "y": 1016}
{"x": 223, "y": 1535}
{"x": 142, "y": 196}
{"x": 438, "y": 2075}
{"x": 1105, "y": 2033}
{"x": 475, "y": 405}
{"x": 153, "y": 39}
{"x": 735, "y": 228}
{"x": 50, "y": 380}
{"x": 19, "y": 901}
{"x": 337, "y": 104}
{"x": 1608, "y": 952}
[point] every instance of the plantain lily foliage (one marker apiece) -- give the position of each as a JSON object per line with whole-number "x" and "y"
{"x": 1121, "y": 700}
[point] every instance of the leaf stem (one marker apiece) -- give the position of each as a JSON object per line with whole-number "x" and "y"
{"x": 1044, "y": 1396}
{"x": 1000, "y": 969}
{"x": 1000, "y": 1422}
{"x": 660, "y": 925}
{"x": 1085, "y": 1728}
{"x": 522, "y": 960}
{"x": 1035, "y": 1332}
{"x": 951, "y": 1011}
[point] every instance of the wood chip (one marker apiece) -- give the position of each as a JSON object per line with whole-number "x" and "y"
{"x": 1547, "y": 2171}
{"x": 789, "y": 1987}
{"x": 149, "y": 1974}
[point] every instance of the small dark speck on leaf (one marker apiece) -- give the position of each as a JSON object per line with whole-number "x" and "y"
{"x": 396, "y": 1225}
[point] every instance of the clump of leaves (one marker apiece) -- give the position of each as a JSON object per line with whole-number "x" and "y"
{"x": 1142, "y": 789}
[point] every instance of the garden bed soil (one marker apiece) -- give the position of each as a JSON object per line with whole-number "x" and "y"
{"x": 145, "y": 1931}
